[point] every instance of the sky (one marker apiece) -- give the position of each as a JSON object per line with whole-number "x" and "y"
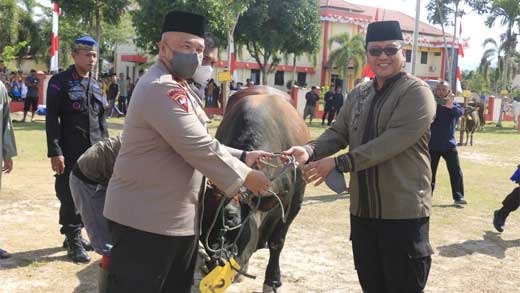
{"x": 473, "y": 26}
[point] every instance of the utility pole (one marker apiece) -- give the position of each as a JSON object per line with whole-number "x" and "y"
{"x": 416, "y": 35}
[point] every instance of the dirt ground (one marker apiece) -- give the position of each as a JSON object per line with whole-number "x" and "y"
{"x": 469, "y": 255}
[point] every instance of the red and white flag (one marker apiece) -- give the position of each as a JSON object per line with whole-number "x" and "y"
{"x": 460, "y": 48}
{"x": 54, "y": 40}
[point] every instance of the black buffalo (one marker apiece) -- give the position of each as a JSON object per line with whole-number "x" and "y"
{"x": 258, "y": 118}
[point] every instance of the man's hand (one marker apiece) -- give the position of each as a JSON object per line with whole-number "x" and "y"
{"x": 318, "y": 170}
{"x": 257, "y": 182}
{"x": 253, "y": 157}
{"x": 299, "y": 153}
{"x": 7, "y": 166}
{"x": 58, "y": 164}
{"x": 449, "y": 101}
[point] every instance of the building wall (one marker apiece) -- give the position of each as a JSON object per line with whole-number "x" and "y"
{"x": 128, "y": 68}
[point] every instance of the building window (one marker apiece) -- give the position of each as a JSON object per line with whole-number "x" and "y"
{"x": 255, "y": 76}
{"x": 424, "y": 57}
{"x": 278, "y": 78}
{"x": 302, "y": 78}
{"x": 408, "y": 56}
{"x": 437, "y": 54}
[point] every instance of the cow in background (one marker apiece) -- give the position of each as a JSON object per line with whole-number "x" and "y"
{"x": 472, "y": 122}
{"x": 513, "y": 109}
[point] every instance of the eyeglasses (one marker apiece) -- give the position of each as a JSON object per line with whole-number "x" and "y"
{"x": 389, "y": 51}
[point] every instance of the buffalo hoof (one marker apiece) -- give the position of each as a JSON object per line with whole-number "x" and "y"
{"x": 271, "y": 289}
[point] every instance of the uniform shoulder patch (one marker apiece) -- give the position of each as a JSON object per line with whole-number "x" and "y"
{"x": 179, "y": 96}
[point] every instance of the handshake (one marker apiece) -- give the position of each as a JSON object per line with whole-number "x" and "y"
{"x": 318, "y": 171}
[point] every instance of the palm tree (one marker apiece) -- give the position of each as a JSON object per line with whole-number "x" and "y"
{"x": 493, "y": 53}
{"x": 507, "y": 13}
{"x": 351, "y": 52}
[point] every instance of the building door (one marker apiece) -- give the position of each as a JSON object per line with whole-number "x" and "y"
{"x": 255, "y": 76}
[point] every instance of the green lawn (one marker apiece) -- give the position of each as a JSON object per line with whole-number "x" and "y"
{"x": 469, "y": 255}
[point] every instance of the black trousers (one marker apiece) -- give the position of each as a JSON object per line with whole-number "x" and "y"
{"x": 391, "y": 255}
{"x": 152, "y": 263}
{"x": 70, "y": 220}
{"x": 511, "y": 202}
{"x": 329, "y": 114}
{"x": 452, "y": 161}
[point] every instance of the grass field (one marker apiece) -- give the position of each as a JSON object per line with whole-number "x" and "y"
{"x": 469, "y": 255}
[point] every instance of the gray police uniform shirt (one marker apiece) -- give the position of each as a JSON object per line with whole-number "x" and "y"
{"x": 166, "y": 152}
{"x": 7, "y": 143}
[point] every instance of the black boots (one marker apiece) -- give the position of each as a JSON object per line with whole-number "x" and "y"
{"x": 86, "y": 244}
{"x": 75, "y": 250}
{"x": 510, "y": 204}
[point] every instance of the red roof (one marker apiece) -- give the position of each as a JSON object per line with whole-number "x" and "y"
{"x": 407, "y": 22}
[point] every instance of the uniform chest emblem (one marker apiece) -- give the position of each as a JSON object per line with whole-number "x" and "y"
{"x": 76, "y": 105}
{"x": 180, "y": 97}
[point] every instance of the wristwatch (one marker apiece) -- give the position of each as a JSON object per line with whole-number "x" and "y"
{"x": 342, "y": 163}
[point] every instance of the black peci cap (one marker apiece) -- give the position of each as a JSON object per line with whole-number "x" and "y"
{"x": 185, "y": 22}
{"x": 383, "y": 31}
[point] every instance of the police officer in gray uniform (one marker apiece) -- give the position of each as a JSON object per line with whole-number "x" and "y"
{"x": 7, "y": 143}
{"x": 75, "y": 121}
{"x": 152, "y": 199}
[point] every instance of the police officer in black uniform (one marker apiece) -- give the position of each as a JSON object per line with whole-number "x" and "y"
{"x": 75, "y": 121}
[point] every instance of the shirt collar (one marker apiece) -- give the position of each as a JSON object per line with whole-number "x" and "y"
{"x": 389, "y": 81}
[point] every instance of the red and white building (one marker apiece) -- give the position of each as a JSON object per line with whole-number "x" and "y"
{"x": 337, "y": 17}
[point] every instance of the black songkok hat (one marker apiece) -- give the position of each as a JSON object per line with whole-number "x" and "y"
{"x": 185, "y": 22}
{"x": 383, "y": 31}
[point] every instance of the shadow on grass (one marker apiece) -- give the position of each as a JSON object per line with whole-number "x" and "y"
{"x": 443, "y": 206}
{"x": 29, "y": 126}
{"x": 491, "y": 244}
{"x": 507, "y": 128}
{"x": 309, "y": 200}
{"x": 88, "y": 279}
{"x": 32, "y": 257}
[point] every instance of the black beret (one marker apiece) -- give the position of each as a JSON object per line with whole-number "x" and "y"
{"x": 185, "y": 22}
{"x": 383, "y": 31}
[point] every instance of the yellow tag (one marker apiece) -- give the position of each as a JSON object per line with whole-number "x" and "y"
{"x": 220, "y": 278}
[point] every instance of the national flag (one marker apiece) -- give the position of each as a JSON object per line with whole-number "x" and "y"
{"x": 460, "y": 48}
{"x": 54, "y": 38}
{"x": 459, "y": 79}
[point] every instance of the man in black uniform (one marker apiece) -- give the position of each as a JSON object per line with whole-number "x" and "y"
{"x": 75, "y": 121}
{"x": 328, "y": 112}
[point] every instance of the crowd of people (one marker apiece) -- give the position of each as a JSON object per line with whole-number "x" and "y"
{"x": 138, "y": 195}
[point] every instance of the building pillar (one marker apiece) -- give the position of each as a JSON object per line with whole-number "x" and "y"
{"x": 325, "y": 51}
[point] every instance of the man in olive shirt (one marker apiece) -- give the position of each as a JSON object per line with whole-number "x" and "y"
{"x": 386, "y": 124}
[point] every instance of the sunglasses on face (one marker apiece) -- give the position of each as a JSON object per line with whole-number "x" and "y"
{"x": 389, "y": 51}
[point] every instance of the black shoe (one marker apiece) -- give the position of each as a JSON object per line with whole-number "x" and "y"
{"x": 86, "y": 244}
{"x": 75, "y": 250}
{"x": 499, "y": 221}
{"x": 460, "y": 201}
{"x": 4, "y": 254}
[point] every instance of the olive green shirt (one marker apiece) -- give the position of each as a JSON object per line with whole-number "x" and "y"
{"x": 387, "y": 132}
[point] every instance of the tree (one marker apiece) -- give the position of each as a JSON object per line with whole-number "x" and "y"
{"x": 150, "y": 15}
{"x": 9, "y": 13}
{"x": 222, "y": 16}
{"x": 269, "y": 27}
{"x": 351, "y": 51}
{"x": 304, "y": 22}
{"x": 507, "y": 13}
{"x": 493, "y": 53}
{"x": 93, "y": 12}
{"x": 438, "y": 12}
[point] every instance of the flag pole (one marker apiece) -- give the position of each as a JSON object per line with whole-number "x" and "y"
{"x": 54, "y": 66}
{"x": 416, "y": 35}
